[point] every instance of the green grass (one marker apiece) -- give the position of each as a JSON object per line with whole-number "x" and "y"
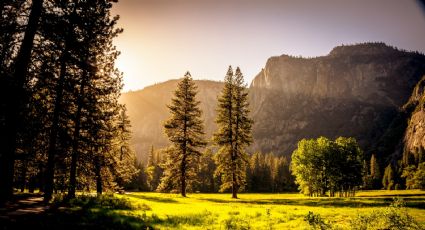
{"x": 142, "y": 210}
{"x": 262, "y": 211}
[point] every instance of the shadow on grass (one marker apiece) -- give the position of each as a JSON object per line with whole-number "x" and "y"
{"x": 153, "y": 198}
{"x": 200, "y": 219}
{"x": 75, "y": 219}
{"x": 327, "y": 202}
{"x": 84, "y": 212}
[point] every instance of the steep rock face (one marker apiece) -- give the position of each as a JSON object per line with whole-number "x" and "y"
{"x": 414, "y": 139}
{"x": 354, "y": 91}
{"x": 147, "y": 110}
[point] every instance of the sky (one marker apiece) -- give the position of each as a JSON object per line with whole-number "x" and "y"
{"x": 163, "y": 39}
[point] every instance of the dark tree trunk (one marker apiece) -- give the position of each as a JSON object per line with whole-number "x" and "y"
{"x": 13, "y": 116}
{"x": 24, "y": 175}
{"x": 183, "y": 163}
{"x": 183, "y": 176}
{"x": 234, "y": 182}
{"x": 76, "y": 137}
{"x": 31, "y": 184}
{"x": 41, "y": 178}
{"x": 98, "y": 176}
{"x": 50, "y": 170}
{"x": 212, "y": 188}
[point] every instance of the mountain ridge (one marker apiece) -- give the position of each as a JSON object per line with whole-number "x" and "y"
{"x": 355, "y": 90}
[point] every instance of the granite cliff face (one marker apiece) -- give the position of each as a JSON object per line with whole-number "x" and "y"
{"x": 369, "y": 91}
{"x": 414, "y": 138}
{"x": 354, "y": 91}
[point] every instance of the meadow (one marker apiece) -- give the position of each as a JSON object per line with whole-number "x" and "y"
{"x": 262, "y": 211}
{"x": 148, "y": 210}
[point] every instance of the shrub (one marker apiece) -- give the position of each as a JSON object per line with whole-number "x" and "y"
{"x": 316, "y": 221}
{"x": 393, "y": 217}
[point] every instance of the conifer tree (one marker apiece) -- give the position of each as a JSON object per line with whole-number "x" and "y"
{"x": 185, "y": 130}
{"x": 205, "y": 174}
{"x": 152, "y": 170}
{"x": 388, "y": 178}
{"x": 366, "y": 178}
{"x": 16, "y": 92}
{"x": 375, "y": 172}
{"x": 234, "y": 132}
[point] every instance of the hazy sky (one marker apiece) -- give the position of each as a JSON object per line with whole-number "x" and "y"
{"x": 164, "y": 38}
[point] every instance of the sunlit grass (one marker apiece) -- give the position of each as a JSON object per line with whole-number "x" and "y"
{"x": 261, "y": 211}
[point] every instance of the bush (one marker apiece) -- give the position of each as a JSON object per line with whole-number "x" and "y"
{"x": 317, "y": 222}
{"x": 393, "y": 217}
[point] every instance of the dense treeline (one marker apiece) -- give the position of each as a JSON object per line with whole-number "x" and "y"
{"x": 264, "y": 173}
{"x": 62, "y": 126}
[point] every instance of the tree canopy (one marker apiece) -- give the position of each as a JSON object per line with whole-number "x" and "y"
{"x": 322, "y": 165}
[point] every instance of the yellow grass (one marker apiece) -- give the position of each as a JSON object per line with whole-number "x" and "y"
{"x": 263, "y": 211}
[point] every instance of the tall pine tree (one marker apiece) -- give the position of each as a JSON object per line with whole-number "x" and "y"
{"x": 234, "y": 132}
{"x": 185, "y": 130}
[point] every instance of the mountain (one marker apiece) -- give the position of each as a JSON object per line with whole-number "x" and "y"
{"x": 354, "y": 91}
{"x": 359, "y": 91}
{"x": 147, "y": 110}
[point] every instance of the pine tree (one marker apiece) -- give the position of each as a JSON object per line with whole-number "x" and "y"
{"x": 205, "y": 174}
{"x": 16, "y": 100}
{"x": 151, "y": 169}
{"x": 185, "y": 130}
{"x": 388, "y": 178}
{"x": 366, "y": 177}
{"x": 234, "y": 132}
{"x": 375, "y": 172}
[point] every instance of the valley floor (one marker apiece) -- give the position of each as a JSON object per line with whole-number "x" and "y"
{"x": 265, "y": 211}
{"x": 143, "y": 210}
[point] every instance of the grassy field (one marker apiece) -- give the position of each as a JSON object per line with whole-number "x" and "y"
{"x": 261, "y": 211}
{"x": 141, "y": 210}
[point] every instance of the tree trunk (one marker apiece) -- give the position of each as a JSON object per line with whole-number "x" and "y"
{"x": 183, "y": 175}
{"x": 183, "y": 188}
{"x": 24, "y": 175}
{"x": 98, "y": 173}
{"x": 234, "y": 186}
{"x": 76, "y": 137}
{"x": 13, "y": 116}
{"x": 31, "y": 184}
{"x": 41, "y": 178}
{"x": 51, "y": 154}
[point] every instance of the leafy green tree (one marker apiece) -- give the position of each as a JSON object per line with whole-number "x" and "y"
{"x": 234, "y": 132}
{"x": 419, "y": 177}
{"x": 321, "y": 165}
{"x": 350, "y": 165}
{"x": 409, "y": 174}
{"x": 184, "y": 129}
{"x": 415, "y": 176}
